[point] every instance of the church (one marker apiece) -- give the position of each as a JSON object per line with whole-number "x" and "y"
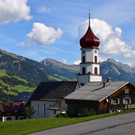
{"x": 89, "y": 91}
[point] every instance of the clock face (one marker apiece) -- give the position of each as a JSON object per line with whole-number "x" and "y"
{"x": 83, "y": 51}
{"x": 95, "y": 51}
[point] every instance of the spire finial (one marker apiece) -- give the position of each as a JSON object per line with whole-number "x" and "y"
{"x": 89, "y": 16}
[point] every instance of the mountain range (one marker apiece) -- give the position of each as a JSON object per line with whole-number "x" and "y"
{"x": 52, "y": 70}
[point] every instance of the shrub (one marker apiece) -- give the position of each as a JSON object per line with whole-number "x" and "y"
{"x": 29, "y": 111}
{"x": 62, "y": 115}
{"x": 88, "y": 112}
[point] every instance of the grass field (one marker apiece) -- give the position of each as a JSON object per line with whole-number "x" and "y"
{"x": 22, "y": 127}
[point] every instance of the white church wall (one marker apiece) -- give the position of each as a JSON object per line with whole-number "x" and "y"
{"x": 42, "y": 110}
{"x": 95, "y": 78}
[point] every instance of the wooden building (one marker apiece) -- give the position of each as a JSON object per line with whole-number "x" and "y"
{"x": 103, "y": 97}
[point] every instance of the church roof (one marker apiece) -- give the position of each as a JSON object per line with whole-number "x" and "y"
{"x": 54, "y": 90}
{"x": 89, "y": 40}
{"x": 95, "y": 91}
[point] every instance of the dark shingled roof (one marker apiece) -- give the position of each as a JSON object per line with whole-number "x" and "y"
{"x": 54, "y": 90}
{"x": 23, "y": 96}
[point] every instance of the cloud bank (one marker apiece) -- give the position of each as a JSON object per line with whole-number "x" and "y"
{"x": 42, "y": 35}
{"x": 110, "y": 40}
{"x": 13, "y": 11}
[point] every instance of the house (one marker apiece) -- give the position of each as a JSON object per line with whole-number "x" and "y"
{"x": 12, "y": 111}
{"x": 102, "y": 97}
{"x": 48, "y": 98}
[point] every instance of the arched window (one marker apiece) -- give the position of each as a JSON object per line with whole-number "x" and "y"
{"x": 95, "y": 59}
{"x": 83, "y": 70}
{"x": 95, "y": 70}
{"x": 83, "y": 59}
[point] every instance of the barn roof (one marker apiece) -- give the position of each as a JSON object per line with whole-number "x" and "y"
{"x": 54, "y": 90}
{"x": 95, "y": 91}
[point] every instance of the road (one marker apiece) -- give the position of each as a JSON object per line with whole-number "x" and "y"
{"x": 115, "y": 125}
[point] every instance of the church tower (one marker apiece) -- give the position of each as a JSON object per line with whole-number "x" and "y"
{"x": 89, "y": 66}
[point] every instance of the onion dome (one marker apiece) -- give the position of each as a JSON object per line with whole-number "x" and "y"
{"x": 89, "y": 40}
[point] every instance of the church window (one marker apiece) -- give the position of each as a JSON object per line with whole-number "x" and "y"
{"x": 83, "y": 70}
{"x": 95, "y": 59}
{"x": 95, "y": 70}
{"x": 83, "y": 59}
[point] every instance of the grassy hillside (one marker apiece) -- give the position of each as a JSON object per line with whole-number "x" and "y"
{"x": 11, "y": 85}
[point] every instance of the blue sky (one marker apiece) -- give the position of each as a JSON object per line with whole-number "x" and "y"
{"x": 39, "y": 29}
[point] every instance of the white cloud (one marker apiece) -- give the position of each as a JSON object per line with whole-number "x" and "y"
{"x": 110, "y": 40}
{"x": 42, "y": 35}
{"x": 43, "y": 10}
{"x": 64, "y": 61}
{"x": 13, "y": 11}
{"x": 77, "y": 62}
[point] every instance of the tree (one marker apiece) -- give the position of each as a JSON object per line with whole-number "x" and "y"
{"x": 29, "y": 111}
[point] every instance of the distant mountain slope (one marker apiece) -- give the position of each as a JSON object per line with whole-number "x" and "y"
{"x": 11, "y": 85}
{"x": 117, "y": 71}
{"x": 26, "y": 68}
{"x": 69, "y": 71}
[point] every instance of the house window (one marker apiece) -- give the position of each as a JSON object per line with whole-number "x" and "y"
{"x": 9, "y": 118}
{"x": 126, "y": 101}
{"x": 44, "y": 110}
{"x": 83, "y": 59}
{"x": 83, "y": 70}
{"x": 95, "y": 59}
{"x": 95, "y": 70}
{"x": 127, "y": 91}
{"x": 115, "y": 101}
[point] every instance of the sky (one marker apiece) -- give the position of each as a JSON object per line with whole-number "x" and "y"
{"x": 39, "y": 29}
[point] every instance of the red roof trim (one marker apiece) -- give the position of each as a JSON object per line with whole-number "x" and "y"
{"x": 12, "y": 106}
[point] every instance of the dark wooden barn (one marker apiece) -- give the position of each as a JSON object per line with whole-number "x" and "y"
{"x": 103, "y": 97}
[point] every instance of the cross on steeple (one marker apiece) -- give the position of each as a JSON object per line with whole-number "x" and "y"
{"x": 89, "y": 16}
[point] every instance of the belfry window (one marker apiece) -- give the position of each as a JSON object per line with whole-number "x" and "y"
{"x": 95, "y": 59}
{"x": 95, "y": 70}
{"x": 83, "y": 70}
{"x": 83, "y": 59}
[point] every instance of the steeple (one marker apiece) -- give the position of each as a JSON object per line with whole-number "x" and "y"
{"x": 89, "y": 40}
{"x": 89, "y": 17}
{"x": 89, "y": 66}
